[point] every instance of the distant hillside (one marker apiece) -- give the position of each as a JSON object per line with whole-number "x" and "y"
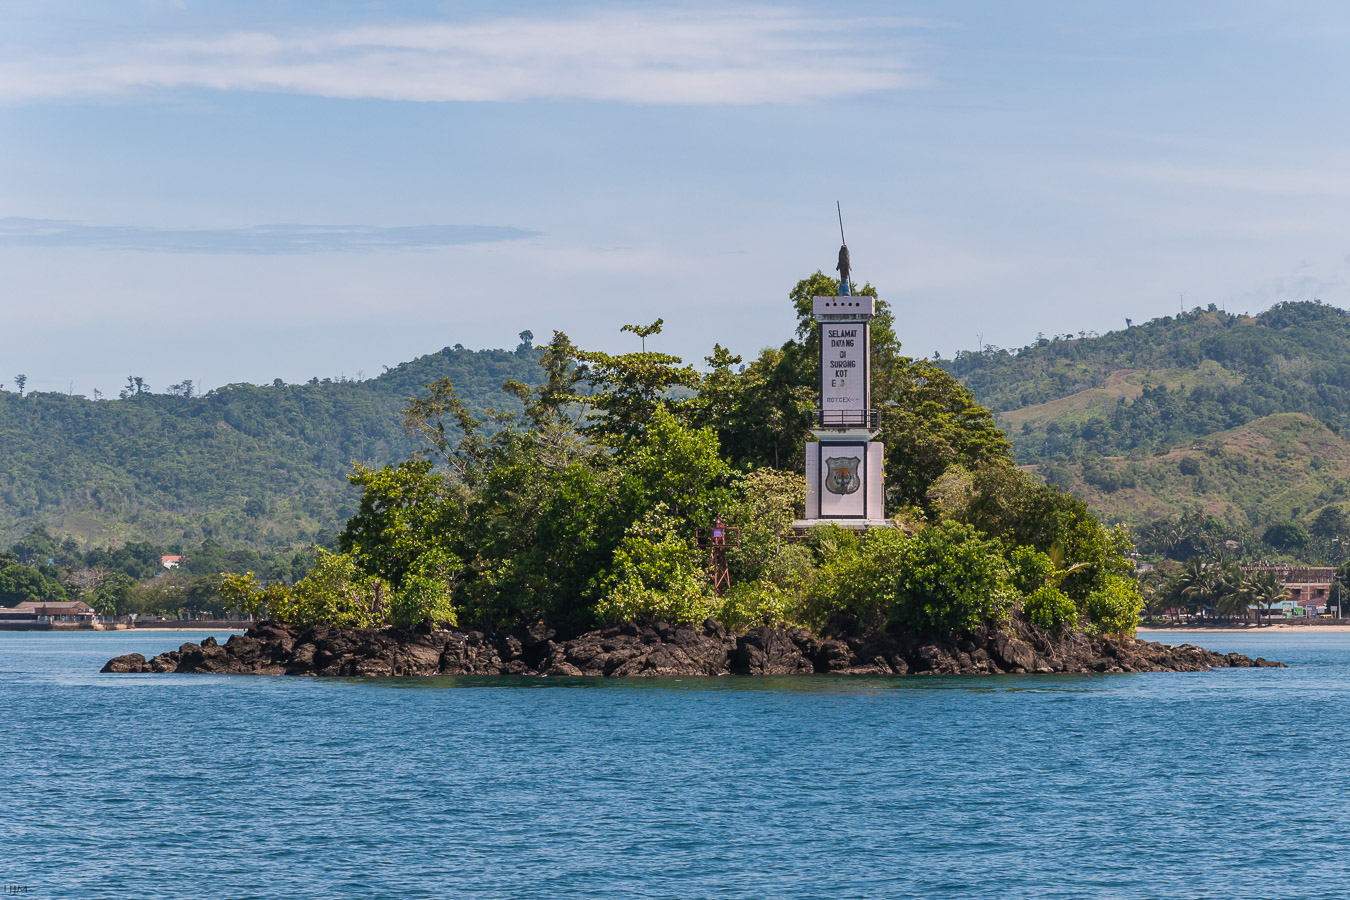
{"x": 1284, "y": 467}
{"x": 1114, "y": 417}
{"x": 256, "y": 465}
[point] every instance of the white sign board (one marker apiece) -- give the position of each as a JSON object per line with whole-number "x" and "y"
{"x": 843, "y": 366}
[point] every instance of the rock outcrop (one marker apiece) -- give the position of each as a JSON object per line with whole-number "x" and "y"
{"x": 665, "y": 650}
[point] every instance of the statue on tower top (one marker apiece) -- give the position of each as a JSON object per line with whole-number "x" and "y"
{"x": 843, "y": 265}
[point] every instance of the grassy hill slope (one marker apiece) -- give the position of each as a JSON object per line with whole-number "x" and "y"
{"x": 1283, "y": 467}
{"x": 1255, "y": 403}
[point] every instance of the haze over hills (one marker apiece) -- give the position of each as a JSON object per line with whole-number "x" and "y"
{"x": 1238, "y": 415}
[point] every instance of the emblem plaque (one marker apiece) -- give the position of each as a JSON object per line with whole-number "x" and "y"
{"x": 842, "y": 477}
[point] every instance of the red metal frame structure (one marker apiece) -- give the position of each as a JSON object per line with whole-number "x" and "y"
{"x": 717, "y": 539}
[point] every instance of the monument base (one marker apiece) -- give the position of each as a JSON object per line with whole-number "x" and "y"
{"x": 844, "y": 479}
{"x": 802, "y": 526}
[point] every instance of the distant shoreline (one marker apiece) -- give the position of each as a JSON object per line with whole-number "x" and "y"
{"x": 1247, "y": 629}
{"x": 201, "y": 625}
{"x": 67, "y": 628}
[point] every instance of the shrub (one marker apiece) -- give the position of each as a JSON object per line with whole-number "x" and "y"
{"x": 759, "y": 603}
{"x": 766, "y": 504}
{"x": 1114, "y": 607}
{"x": 1101, "y": 475}
{"x": 335, "y": 592}
{"x": 952, "y": 577}
{"x": 951, "y": 493}
{"x": 656, "y": 576}
{"x": 1029, "y": 569}
{"x": 241, "y": 593}
{"x": 948, "y": 576}
{"x": 857, "y": 576}
{"x": 427, "y": 594}
{"x": 1050, "y": 608}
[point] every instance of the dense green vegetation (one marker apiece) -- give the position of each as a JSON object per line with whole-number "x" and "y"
{"x": 243, "y": 465}
{"x": 582, "y": 508}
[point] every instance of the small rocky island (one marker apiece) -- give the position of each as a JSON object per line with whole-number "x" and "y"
{"x": 614, "y": 498}
{"x": 662, "y": 651}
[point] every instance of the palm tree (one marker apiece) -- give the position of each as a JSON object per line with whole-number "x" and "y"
{"x": 1156, "y": 593}
{"x": 1234, "y": 592}
{"x": 1339, "y": 584}
{"x": 1267, "y": 590}
{"x": 1200, "y": 584}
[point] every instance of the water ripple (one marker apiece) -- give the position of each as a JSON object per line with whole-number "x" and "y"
{"x": 1221, "y": 784}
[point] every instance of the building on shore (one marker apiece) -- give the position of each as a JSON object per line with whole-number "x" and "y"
{"x": 65, "y": 612}
{"x": 1306, "y": 584}
{"x": 1287, "y": 609}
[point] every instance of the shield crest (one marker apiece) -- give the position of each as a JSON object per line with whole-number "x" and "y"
{"x": 842, "y": 474}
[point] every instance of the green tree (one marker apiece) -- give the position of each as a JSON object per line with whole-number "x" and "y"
{"x": 241, "y": 593}
{"x": 1233, "y": 591}
{"x": 113, "y": 596}
{"x": 680, "y": 467}
{"x": 426, "y": 595}
{"x": 1331, "y": 521}
{"x": 657, "y": 576}
{"x": 626, "y": 389}
{"x": 929, "y": 423}
{"x": 766, "y": 503}
{"x": 19, "y": 584}
{"x": 1267, "y": 590}
{"x": 1113, "y": 608}
{"x": 406, "y": 511}
{"x": 1289, "y": 537}
{"x": 946, "y": 577}
{"x": 1196, "y": 585}
{"x": 762, "y": 414}
{"x": 335, "y": 592}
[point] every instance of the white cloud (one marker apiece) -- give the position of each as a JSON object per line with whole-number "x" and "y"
{"x": 260, "y": 239}
{"x": 748, "y": 56}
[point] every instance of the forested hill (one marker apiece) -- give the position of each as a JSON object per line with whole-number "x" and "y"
{"x": 1179, "y": 412}
{"x": 1155, "y": 385}
{"x": 243, "y": 464}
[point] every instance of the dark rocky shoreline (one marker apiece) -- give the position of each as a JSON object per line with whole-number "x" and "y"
{"x": 270, "y": 648}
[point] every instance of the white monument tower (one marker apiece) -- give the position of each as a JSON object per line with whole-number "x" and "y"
{"x": 844, "y": 464}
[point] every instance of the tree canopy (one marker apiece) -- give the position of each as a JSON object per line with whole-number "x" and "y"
{"x": 583, "y": 509}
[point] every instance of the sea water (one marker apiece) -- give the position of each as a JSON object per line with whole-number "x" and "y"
{"x": 1229, "y": 783}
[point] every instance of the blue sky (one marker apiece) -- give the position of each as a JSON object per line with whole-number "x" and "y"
{"x": 240, "y": 191}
